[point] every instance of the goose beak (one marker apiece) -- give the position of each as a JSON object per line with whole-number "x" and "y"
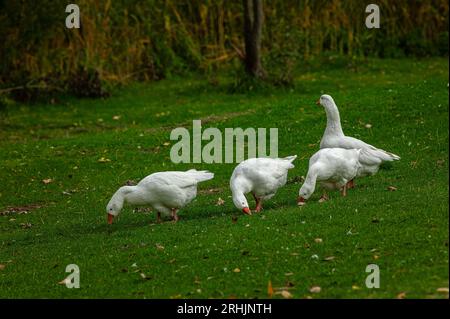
{"x": 301, "y": 201}
{"x": 318, "y": 102}
{"x": 110, "y": 218}
{"x": 246, "y": 211}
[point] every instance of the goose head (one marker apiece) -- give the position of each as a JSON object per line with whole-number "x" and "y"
{"x": 115, "y": 205}
{"x": 326, "y": 101}
{"x": 304, "y": 193}
{"x": 241, "y": 203}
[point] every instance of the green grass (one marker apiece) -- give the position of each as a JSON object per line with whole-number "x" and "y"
{"x": 405, "y": 232}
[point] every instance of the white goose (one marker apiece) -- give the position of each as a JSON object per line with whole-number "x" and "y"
{"x": 260, "y": 176}
{"x": 333, "y": 168}
{"x": 166, "y": 192}
{"x": 334, "y": 136}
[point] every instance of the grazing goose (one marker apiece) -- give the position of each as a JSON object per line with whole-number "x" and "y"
{"x": 334, "y": 135}
{"x": 166, "y": 192}
{"x": 333, "y": 168}
{"x": 260, "y": 176}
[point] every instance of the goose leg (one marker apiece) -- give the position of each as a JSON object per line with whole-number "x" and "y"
{"x": 158, "y": 217}
{"x": 344, "y": 190}
{"x": 324, "y": 197}
{"x": 258, "y": 201}
{"x": 350, "y": 184}
{"x": 174, "y": 215}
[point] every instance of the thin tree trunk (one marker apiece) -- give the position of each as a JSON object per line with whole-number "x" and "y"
{"x": 253, "y": 22}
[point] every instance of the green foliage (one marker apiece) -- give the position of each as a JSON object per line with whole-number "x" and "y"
{"x": 154, "y": 39}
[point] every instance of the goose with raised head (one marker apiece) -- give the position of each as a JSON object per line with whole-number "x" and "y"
{"x": 334, "y": 136}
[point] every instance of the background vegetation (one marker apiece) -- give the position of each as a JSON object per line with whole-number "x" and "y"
{"x": 120, "y": 40}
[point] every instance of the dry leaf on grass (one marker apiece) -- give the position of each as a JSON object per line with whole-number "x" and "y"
{"x": 220, "y": 202}
{"x": 116, "y": 117}
{"x": 442, "y": 289}
{"x": 26, "y": 225}
{"x": 47, "y": 181}
{"x": 236, "y": 270}
{"x": 103, "y": 160}
{"x": 269, "y": 289}
{"x": 2, "y": 266}
{"x": 143, "y": 276}
{"x": 159, "y": 247}
{"x": 315, "y": 289}
{"x": 329, "y": 258}
{"x": 286, "y": 294}
{"x": 392, "y": 188}
{"x": 318, "y": 240}
{"x": 401, "y": 295}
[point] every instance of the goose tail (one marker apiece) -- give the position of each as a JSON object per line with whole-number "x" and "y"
{"x": 385, "y": 156}
{"x": 201, "y": 176}
{"x": 290, "y": 159}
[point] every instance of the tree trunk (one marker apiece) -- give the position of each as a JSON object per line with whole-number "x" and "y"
{"x": 253, "y": 22}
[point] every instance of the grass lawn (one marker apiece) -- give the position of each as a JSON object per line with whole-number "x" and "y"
{"x": 46, "y": 226}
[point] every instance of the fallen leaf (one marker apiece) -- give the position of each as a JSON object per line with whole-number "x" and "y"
{"x": 401, "y": 295}
{"x": 318, "y": 240}
{"x": 116, "y": 117}
{"x": 236, "y": 270}
{"x": 159, "y": 247}
{"x": 392, "y": 188}
{"x": 442, "y": 289}
{"x": 220, "y": 202}
{"x": 368, "y": 125}
{"x": 329, "y": 258}
{"x": 376, "y": 257}
{"x": 26, "y": 225}
{"x": 166, "y": 143}
{"x": 315, "y": 289}
{"x": 47, "y": 181}
{"x": 2, "y": 266}
{"x": 355, "y": 287}
{"x": 103, "y": 160}
{"x": 286, "y": 294}
{"x": 270, "y": 289}
{"x": 143, "y": 276}
{"x": 289, "y": 274}
{"x": 130, "y": 182}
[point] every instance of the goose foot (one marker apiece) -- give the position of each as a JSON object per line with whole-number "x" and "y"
{"x": 175, "y": 217}
{"x": 323, "y": 198}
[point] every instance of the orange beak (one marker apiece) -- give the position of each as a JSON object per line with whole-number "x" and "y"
{"x": 246, "y": 211}
{"x": 301, "y": 201}
{"x": 110, "y": 218}
{"x": 318, "y": 102}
